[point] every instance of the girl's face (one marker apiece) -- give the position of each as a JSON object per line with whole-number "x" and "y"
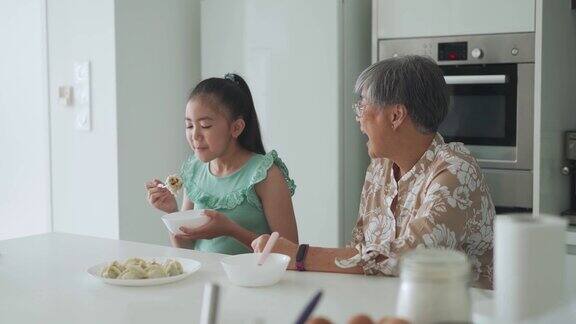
{"x": 208, "y": 130}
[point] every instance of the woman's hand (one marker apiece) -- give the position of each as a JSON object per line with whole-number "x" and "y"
{"x": 282, "y": 246}
{"x": 160, "y": 197}
{"x": 218, "y": 225}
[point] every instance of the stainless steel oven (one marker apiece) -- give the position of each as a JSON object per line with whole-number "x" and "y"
{"x": 491, "y": 82}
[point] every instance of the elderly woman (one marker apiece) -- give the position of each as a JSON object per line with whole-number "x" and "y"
{"x": 419, "y": 191}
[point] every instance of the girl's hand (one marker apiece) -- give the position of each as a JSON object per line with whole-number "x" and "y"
{"x": 160, "y": 197}
{"x": 218, "y": 225}
{"x": 181, "y": 242}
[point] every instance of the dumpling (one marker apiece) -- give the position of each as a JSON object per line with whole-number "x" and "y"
{"x": 147, "y": 265}
{"x": 133, "y": 272}
{"x": 173, "y": 267}
{"x": 135, "y": 261}
{"x": 118, "y": 265}
{"x": 156, "y": 271}
{"x": 137, "y": 268}
{"x": 111, "y": 271}
{"x": 173, "y": 183}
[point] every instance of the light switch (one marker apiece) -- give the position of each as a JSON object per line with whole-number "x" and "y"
{"x": 65, "y": 95}
{"x": 83, "y": 107}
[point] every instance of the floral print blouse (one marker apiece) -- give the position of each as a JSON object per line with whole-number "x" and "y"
{"x": 443, "y": 201}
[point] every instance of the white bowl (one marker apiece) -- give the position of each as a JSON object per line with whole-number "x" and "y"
{"x": 189, "y": 218}
{"x": 243, "y": 270}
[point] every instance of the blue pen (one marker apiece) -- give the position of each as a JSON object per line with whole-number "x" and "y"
{"x": 309, "y": 308}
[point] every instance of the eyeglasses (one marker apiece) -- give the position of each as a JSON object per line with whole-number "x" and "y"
{"x": 359, "y": 108}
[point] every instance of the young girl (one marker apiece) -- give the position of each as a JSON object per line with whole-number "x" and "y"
{"x": 245, "y": 191}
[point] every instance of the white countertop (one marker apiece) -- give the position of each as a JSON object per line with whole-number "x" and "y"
{"x": 43, "y": 279}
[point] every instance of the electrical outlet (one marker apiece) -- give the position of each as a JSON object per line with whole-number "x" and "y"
{"x": 82, "y": 121}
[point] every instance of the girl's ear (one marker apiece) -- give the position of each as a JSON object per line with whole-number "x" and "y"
{"x": 238, "y": 127}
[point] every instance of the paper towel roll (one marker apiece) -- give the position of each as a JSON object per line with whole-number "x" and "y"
{"x": 529, "y": 266}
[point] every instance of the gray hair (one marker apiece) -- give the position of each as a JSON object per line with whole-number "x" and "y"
{"x": 413, "y": 81}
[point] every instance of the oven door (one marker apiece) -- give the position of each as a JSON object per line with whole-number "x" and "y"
{"x": 491, "y": 111}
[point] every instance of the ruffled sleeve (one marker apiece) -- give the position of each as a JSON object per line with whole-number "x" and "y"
{"x": 261, "y": 172}
{"x": 237, "y": 197}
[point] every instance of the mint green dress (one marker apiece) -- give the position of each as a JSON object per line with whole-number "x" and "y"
{"x": 232, "y": 195}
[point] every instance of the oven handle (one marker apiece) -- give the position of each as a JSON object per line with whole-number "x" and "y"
{"x": 475, "y": 79}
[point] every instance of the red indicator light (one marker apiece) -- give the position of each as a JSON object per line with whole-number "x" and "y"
{"x": 452, "y": 56}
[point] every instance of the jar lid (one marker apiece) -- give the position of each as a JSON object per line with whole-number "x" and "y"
{"x": 434, "y": 264}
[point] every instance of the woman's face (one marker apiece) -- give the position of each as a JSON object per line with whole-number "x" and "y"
{"x": 208, "y": 130}
{"x": 375, "y": 123}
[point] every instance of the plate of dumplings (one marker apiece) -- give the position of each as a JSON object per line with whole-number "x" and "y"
{"x": 147, "y": 271}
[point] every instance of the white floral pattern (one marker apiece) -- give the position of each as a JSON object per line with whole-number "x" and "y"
{"x": 443, "y": 201}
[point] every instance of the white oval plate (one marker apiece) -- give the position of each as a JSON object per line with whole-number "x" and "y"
{"x": 188, "y": 265}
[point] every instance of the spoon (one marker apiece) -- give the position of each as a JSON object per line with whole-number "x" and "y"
{"x": 268, "y": 248}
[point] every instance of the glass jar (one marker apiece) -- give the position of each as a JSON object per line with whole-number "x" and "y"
{"x": 434, "y": 287}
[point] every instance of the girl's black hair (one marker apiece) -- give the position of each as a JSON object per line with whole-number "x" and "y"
{"x": 234, "y": 95}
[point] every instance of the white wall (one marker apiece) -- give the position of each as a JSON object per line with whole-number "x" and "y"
{"x": 555, "y": 100}
{"x": 292, "y": 55}
{"x": 157, "y": 64}
{"x": 144, "y": 58}
{"x": 223, "y": 35}
{"x": 419, "y": 18}
{"x": 84, "y": 164}
{"x": 273, "y": 45}
{"x": 24, "y": 143}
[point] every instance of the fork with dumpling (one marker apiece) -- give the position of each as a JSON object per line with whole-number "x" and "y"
{"x": 173, "y": 183}
{"x": 163, "y": 195}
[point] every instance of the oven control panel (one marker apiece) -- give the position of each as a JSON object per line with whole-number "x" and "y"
{"x": 470, "y": 49}
{"x": 457, "y": 51}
